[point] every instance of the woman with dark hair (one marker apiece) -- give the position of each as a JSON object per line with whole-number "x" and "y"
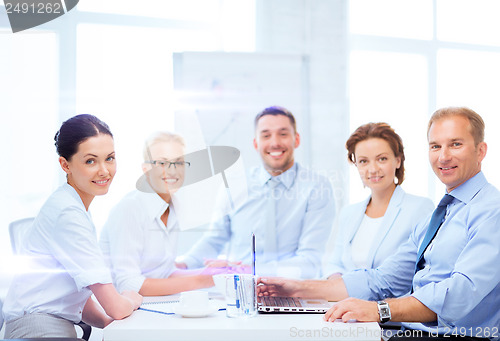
{"x": 370, "y": 231}
{"x": 66, "y": 261}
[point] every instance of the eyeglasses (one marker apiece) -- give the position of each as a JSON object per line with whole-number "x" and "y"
{"x": 167, "y": 164}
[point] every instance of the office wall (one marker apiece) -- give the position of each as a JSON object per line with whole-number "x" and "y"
{"x": 318, "y": 29}
{"x": 299, "y": 63}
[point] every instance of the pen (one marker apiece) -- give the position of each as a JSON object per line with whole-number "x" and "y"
{"x": 253, "y": 253}
{"x": 155, "y": 311}
{"x": 164, "y": 313}
{"x": 237, "y": 290}
{"x": 243, "y": 294}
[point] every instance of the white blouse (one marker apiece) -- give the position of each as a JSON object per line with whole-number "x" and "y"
{"x": 361, "y": 244}
{"x": 64, "y": 259}
{"x": 136, "y": 243}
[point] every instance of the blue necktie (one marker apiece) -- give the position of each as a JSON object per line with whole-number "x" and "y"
{"x": 436, "y": 222}
{"x": 271, "y": 241}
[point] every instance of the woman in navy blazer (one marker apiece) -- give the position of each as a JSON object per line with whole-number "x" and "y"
{"x": 372, "y": 230}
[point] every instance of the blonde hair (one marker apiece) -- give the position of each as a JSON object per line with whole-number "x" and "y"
{"x": 476, "y": 123}
{"x": 157, "y": 137}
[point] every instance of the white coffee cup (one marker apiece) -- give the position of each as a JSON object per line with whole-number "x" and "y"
{"x": 194, "y": 300}
{"x": 220, "y": 282}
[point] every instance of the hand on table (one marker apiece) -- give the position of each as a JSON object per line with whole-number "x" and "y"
{"x": 278, "y": 286}
{"x": 181, "y": 265}
{"x": 353, "y": 309}
{"x": 231, "y": 267}
{"x": 134, "y": 297}
{"x": 210, "y": 270}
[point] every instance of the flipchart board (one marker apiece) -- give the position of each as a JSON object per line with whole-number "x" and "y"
{"x": 218, "y": 95}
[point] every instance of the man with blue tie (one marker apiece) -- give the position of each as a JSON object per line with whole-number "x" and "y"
{"x": 449, "y": 267}
{"x": 289, "y": 208}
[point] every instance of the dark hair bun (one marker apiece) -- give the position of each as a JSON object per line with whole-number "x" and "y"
{"x": 76, "y": 130}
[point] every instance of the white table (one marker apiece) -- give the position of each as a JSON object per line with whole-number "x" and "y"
{"x": 144, "y": 325}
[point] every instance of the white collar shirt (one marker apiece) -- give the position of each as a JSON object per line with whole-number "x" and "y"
{"x": 64, "y": 259}
{"x": 136, "y": 242}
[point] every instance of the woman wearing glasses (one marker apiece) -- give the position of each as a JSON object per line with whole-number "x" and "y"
{"x": 140, "y": 236}
{"x": 370, "y": 231}
{"x": 67, "y": 265}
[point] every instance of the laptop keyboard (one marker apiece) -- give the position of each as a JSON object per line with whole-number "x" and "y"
{"x": 281, "y": 301}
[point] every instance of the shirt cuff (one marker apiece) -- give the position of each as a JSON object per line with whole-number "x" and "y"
{"x": 191, "y": 262}
{"x": 131, "y": 283}
{"x": 87, "y": 278}
{"x": 357, "y": 285}
{"x": 327, "y": 272}
{"x": 430, "y": 296}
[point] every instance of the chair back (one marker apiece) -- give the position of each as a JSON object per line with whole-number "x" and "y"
{"x": 1, "y": 314}
{"x": 17, "y": 229}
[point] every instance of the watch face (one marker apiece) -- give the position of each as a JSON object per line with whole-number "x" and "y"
{"x": 384, "y": 311}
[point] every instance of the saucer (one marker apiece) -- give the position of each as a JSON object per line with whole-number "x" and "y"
{"x": 190, "y": 312}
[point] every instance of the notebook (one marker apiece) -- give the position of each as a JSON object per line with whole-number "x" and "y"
{"x": 273, "y": 304}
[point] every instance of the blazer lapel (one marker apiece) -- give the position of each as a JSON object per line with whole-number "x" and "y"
{"x": 387, "y": 222}
{"x": 358, "y": 213}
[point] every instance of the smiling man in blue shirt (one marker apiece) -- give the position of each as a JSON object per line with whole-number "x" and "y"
{"x": 455, "y": 289}
{"x": 289, "y": 208}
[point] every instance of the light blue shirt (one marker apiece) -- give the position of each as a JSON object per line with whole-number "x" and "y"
{"x": 305, "y": 211}
{"x": 402, "y": 215}
{"x": 461, "y": 278}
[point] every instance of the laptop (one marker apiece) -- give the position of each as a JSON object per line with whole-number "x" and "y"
{"x": 275, "y": 304}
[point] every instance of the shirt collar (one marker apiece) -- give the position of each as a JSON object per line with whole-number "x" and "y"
{"x": 468, "y": 190}
{"x": 155, "y": 205}
{"x": 72, "y": 191}
{"x": 287, "y": 178}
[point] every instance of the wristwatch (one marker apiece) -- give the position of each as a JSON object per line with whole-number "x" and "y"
{"x": 384, "y": 311}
